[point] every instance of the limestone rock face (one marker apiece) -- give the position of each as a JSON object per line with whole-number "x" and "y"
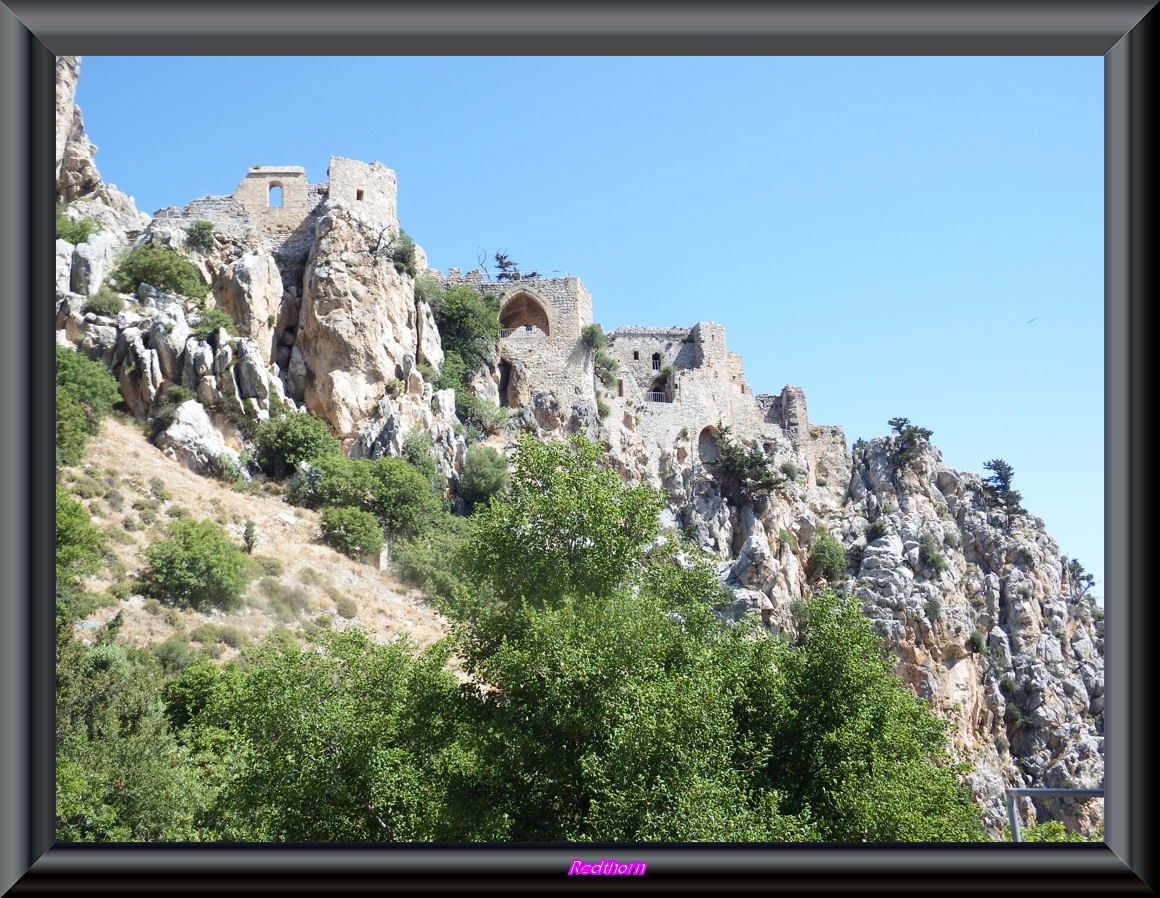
{"x": 193, "y": 440}
{"x": 357, "y": 324}
{"x": 75, "y": 172}
{"x": 92, "y": 262}
{"x": 253, "y": 298}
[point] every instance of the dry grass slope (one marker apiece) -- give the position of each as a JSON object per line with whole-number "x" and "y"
{"x": 132, "y": 490}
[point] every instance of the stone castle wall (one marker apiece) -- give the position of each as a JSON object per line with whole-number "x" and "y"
{"x": 258, "y": 192}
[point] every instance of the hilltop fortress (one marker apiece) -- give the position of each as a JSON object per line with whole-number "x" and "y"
{"x": 670, "y": 391}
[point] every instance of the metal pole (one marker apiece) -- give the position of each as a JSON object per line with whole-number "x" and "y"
{"x": 1016, "y": 832}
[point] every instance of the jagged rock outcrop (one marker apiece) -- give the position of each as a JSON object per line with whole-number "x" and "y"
{"x": 358, "y": 328}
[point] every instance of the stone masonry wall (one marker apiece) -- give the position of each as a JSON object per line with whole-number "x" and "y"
{"x": 255, "y": 190}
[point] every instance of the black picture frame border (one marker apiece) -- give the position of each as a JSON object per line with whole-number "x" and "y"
{"x": 32, "y": 33}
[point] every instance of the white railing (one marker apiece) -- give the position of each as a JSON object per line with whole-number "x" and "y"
{"x": 525, "y": 330}
{"x": 657, "y": 397}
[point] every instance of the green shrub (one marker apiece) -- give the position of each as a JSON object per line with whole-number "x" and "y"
{"x": 283, "y": 443}
{"x": 389, "y": 488}
{"x": 200, "y": 234}
{"x": 249, "y": 537}
{"x": 929, "y": 555}
{"x": 468, "y": 326}
{"x": 876, "y": 529}
{"x": 196, "y": 565}
{"x": 606, "y": 367}
{"x": 159, "y": 490}
{"x": 854, "y": 555}
{"x": 175, "y": 654}
{"x": 1002, "y": 744}
{"x": 351, "y": 531}
{"x": 79, "y": 546}
{"x": 976, "y": 641}
{"x": 746, "y": 472}
{"x": 827, "y": 557}
{"x": 287, "y": 602}
{"x": 419, "y": 451}
{"x": 160, "y": 267}
{"x": 432, "y": 561}
{"x": 593, "y": 336}
{"x": 85, "y": 393}
{"x": 104, "y": 302}
{"x": 952, "y": 540}
{"x": 483, "y": 413}
{"x": 74, "y": 231}
{"x": 1007, "y": 686}
{"x": 268, "y": 565}
{"x": 346, "y": 607}
{"x": 932, "y": 608}
{"x": 789, "y": 469}
{"x": 210, "y": 321}
{"x": 603, "y": 409}
{"x": 485, "y": 474}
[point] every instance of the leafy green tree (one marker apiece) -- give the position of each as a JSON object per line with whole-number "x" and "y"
{"x": 468, "y": 324}
{"x": 351, "y": 531}
{"x": 85, "y": 393}
{"x": 286, "y": 441}
{"x": 197, "y": 565}
{"x": 78, "y": 543}
{"x": 485, "y": 474}
{"x": 161, "y": 267}
{"x": 389, "y": 488}
{"x": 852, "y": 744}
{"x": 121, "y": 775}
{"x": 612, "y": 718}
{"x": 567, "y": 526}
{"x": 432, "y": 560}
{"x": 1080, "y": 580}
{"x": 908, "y": 443}
{"x": 351, "y": 741}
{"x": 827, "y": 557}
{"x": 419, "y": 450}
{"x": 998, "y": 493}
{"x": 746, "y": 473}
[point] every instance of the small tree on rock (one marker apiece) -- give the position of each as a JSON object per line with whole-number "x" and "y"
{"x": 997, "y": 491}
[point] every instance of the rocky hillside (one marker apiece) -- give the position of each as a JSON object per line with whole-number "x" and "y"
{"x": 983, "y": 613}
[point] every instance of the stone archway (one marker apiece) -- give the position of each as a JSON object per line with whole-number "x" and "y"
{"x": 707, "y": 449}
{"x": 523, "y": 310}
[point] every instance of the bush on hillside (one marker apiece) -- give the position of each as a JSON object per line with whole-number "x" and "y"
{"x": 286, "y": 441}
{"x": 85, "y": 393}
{"x": 351, "y": 531}
{"x": 160, "y": 267}
{"x": 196, "y": 565}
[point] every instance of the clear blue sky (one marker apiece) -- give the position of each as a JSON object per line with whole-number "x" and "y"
{"x": 918, "y": 237}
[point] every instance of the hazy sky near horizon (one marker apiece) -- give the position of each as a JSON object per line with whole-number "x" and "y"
{"x": 899, "y": 236}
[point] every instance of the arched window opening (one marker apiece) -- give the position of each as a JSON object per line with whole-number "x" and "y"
{"x": 707, "y": 445}
{"x": 274, "y": 200}
{"x": 522, "y": 312}
{"x": 656, "y": 361}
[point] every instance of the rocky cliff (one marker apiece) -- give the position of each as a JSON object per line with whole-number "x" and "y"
{"x": 980, "y": 612}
